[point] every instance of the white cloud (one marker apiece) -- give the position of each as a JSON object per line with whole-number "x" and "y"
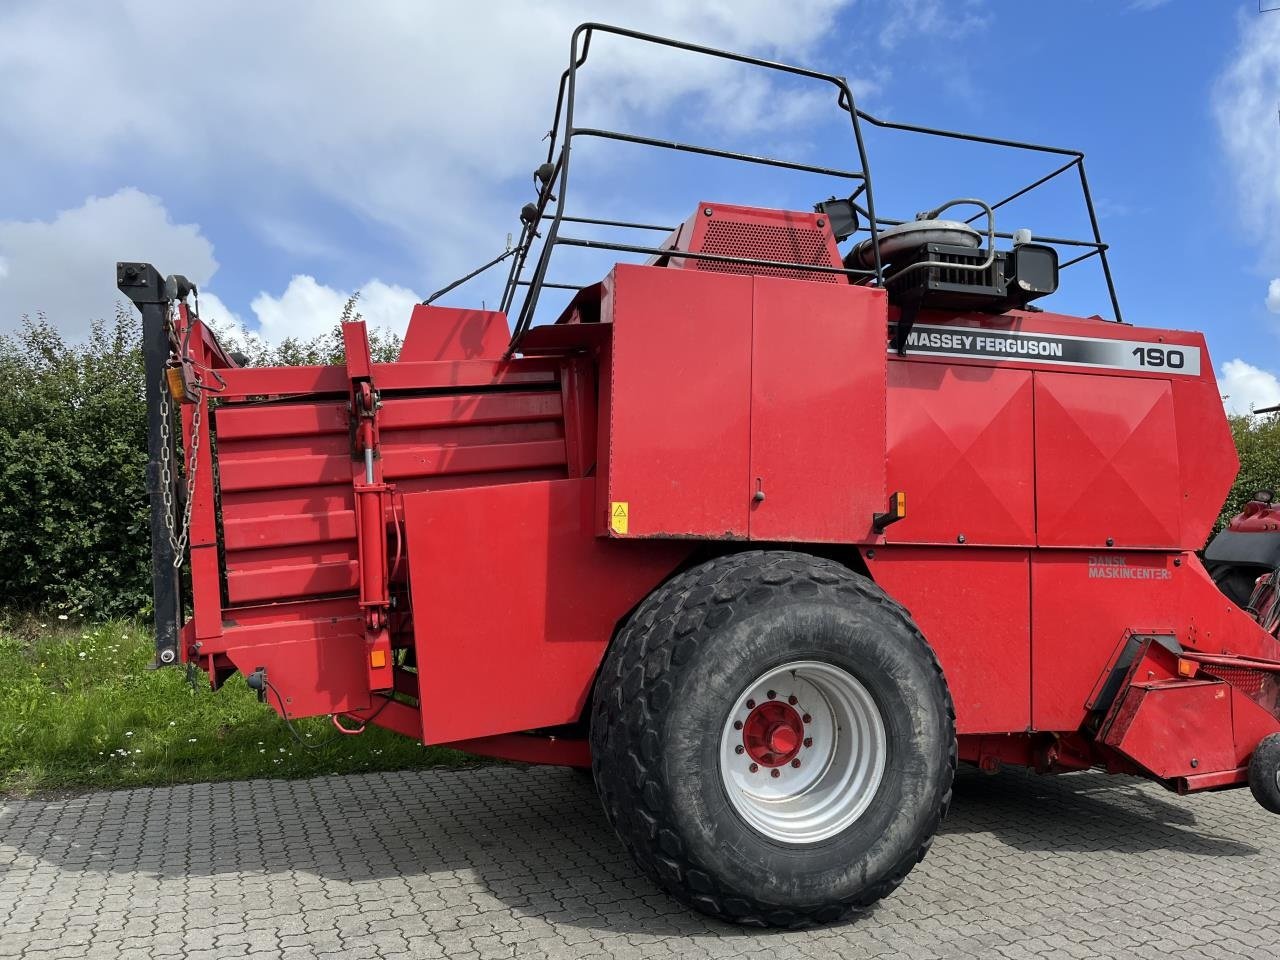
{"x": 420, "y": 118}
{"x": 1247, "y": 388}
{"x": 65, "y": 267}
{"x": 1244, "y": 103}
{"x": 1273, "y": 296}
{"x": 948, "y": 19}
{"x": 308, "y": 308}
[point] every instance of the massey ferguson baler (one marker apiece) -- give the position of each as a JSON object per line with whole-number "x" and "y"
{"x": 769, "y": 531}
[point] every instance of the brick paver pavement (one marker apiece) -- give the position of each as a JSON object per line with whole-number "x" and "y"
{"x": 507, "y": 861}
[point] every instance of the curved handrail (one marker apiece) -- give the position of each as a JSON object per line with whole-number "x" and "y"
{"x": 553, "y": 176}
{"x": 565, "y": 102}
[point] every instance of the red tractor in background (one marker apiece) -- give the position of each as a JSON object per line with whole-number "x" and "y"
{"x": 768, "y": 534}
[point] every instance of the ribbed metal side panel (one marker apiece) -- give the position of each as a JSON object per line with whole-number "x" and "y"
{"x": 284, "y": 471}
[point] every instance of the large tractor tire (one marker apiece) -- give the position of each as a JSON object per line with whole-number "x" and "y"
{"x": 773, "y": 740}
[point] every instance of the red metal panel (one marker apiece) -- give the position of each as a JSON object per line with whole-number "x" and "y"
{"x": 960, "y": 445}
{"x": 783, "y": 236}
{"x": 514, "y": 601}
{"x": 1215, "y": 624}
{"x": 1082, "y": 605}
{"x": 449, "y": 333}
{"x": 1251, "y": 722}
{"x": 681, "y": 385}
{"x": 206, "y": 592}
{"x": 817, "y": 411}
{"x": 254, "y": 623}
{"x": 1107, "y": 469}
{"x": 288, "y": 530}
{"x": 255, "y": 471}
{"x": 326, "y": 673}
{"x": 1175, "y": 728}
{"x": 311, "y": 575}
{"x": 974, "y": 608}
{"x": 578, "y": 399}
{"x": 1206, "y": 456}
{"x": 604, "y": 431}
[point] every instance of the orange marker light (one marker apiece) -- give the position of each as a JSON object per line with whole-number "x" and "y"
{"x": 377, "y": 659}
{"x": 177, "y": 389}
{"x": 1187, "y": 668}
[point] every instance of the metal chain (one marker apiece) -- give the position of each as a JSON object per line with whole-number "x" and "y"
{"x": 177, "y": 538}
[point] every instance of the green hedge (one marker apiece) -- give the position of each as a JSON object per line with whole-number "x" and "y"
{"x": 73, "y": 512}
{"x": 73, "y": 455}
{"x": 74, "y": 529}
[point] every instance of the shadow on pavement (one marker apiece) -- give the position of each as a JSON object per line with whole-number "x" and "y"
{"x": 1084, "y": 813}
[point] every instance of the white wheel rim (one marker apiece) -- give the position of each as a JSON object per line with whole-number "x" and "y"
{"x": 813, "y": 790}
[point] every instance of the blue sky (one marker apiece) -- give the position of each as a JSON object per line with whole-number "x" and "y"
{"x": 387, "y": 146}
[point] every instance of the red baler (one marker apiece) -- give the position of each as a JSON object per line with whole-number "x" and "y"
{"x": 768, "y": 533}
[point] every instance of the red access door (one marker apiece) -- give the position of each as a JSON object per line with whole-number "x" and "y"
{"x": 1107, "y": 470}
{"x": 817, "y": 411}
{"x": 676, "y": 403}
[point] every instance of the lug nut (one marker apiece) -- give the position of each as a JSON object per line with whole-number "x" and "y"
{"x": 751, "y": 704}
{"x": 792, "y": 700}
{"x": 739, "y": 748}
{"x": 795, "y": 763}
{"x": 807, "y": 719}
{"x": 754, "y": 767}
{"x": 772, "y": 695}
{"x": 774, "y": 773}
{"x": 737, "y": 724}
{"x": 808, "y": 742}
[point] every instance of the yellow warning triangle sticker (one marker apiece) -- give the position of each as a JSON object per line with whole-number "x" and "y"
{"x": 618, "y": 510}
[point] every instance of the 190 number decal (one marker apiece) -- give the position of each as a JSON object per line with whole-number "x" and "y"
{"x": 1169, "y": 357}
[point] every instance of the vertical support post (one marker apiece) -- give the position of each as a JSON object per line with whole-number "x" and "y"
{"x": 144, "y": 287}
{"x": 1097, "y": 239}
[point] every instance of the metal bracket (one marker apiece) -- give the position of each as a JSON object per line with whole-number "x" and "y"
{"x": 897, "y": 511}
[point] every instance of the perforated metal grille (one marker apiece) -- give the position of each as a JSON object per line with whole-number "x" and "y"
{"x": 766, "y": 242}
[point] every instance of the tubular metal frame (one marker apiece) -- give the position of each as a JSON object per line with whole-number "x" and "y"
{"x": 552, "y": 181}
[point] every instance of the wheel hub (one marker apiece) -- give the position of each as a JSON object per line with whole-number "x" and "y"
{"x": 803, "y": 751}
{"x": 773, "y": 733}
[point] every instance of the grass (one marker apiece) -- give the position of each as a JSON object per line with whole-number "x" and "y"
{"x": 80, "y": 710}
